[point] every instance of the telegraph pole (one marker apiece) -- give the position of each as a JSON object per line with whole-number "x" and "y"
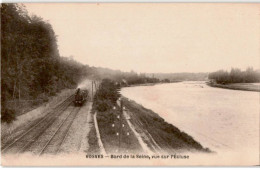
{"x": 120, "y": 123}
{"x": 95, "y": 85}
{"x": 92, "y": 89}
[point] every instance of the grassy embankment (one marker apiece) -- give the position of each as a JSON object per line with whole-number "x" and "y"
{"x": 167, "y": 137}
{"x": 237, "y": 86}
{"x": 109, "y": 124}
{"x": 108, "y": 133}
{"x": 155, "y": 132}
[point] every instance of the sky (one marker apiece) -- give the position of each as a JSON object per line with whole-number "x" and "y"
{"x": 156, "y": 37}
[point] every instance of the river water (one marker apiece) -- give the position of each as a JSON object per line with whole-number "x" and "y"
{"x": 220, "y": 119}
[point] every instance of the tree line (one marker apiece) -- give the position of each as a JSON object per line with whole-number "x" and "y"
{"x": 235, "y": 76}
{"x": 130, "y": 78}
{"x": 182, "y": 76}
{"x": 31, "y": 67}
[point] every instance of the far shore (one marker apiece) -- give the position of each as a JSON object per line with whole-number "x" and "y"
{"x": 237, "y": 86}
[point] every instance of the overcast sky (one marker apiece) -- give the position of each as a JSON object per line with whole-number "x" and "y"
{"x": 157, "y": 37}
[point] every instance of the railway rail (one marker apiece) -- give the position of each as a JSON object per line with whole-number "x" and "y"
{"x": 24, "y": 141}
{"x": 53, "y": 145}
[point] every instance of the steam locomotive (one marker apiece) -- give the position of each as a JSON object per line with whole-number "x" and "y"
{"x": 80, "y": 97}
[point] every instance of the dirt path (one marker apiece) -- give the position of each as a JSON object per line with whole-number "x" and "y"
{"x": 144, "y": 146}
{"x": 100, "y": 144}
{"x": 76, "y": 139}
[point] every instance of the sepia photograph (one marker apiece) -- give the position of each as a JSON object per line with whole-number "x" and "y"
{"x": 130, "y": 84}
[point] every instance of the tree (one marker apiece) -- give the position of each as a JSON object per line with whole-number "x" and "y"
{"x": 31, "y": 67}
{"x": 235, "y": 76}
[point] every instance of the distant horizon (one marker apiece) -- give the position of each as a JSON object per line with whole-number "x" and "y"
{"x": 228, "y": 70}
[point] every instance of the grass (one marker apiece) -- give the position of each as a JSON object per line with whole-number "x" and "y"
{"x": 108, "y": 133}
{"x": 115, "y": 133}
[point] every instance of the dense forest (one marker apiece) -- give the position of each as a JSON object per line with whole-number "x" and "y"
{"x": 235, "y": 76}
{"x": 31, "y": 67}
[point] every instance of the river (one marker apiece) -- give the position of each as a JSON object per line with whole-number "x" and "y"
{"x": 221, "y": 119}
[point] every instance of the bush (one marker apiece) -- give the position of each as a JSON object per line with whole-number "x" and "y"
{"x": 106, "y": 96}
{"x": 7, "y": 115}
{"x": 103, "y": 106}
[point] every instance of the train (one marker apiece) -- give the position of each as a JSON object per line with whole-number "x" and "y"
{"x": 80, "y": 97}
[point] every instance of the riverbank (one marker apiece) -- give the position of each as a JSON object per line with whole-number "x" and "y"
{"x": 237, "y": 86}
{"x": 127, "y": 127}
{"x": 159, "y": 135}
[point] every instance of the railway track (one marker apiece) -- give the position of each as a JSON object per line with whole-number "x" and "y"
{"x": 56, "y": 140}
{"x": 23, "y": 142}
